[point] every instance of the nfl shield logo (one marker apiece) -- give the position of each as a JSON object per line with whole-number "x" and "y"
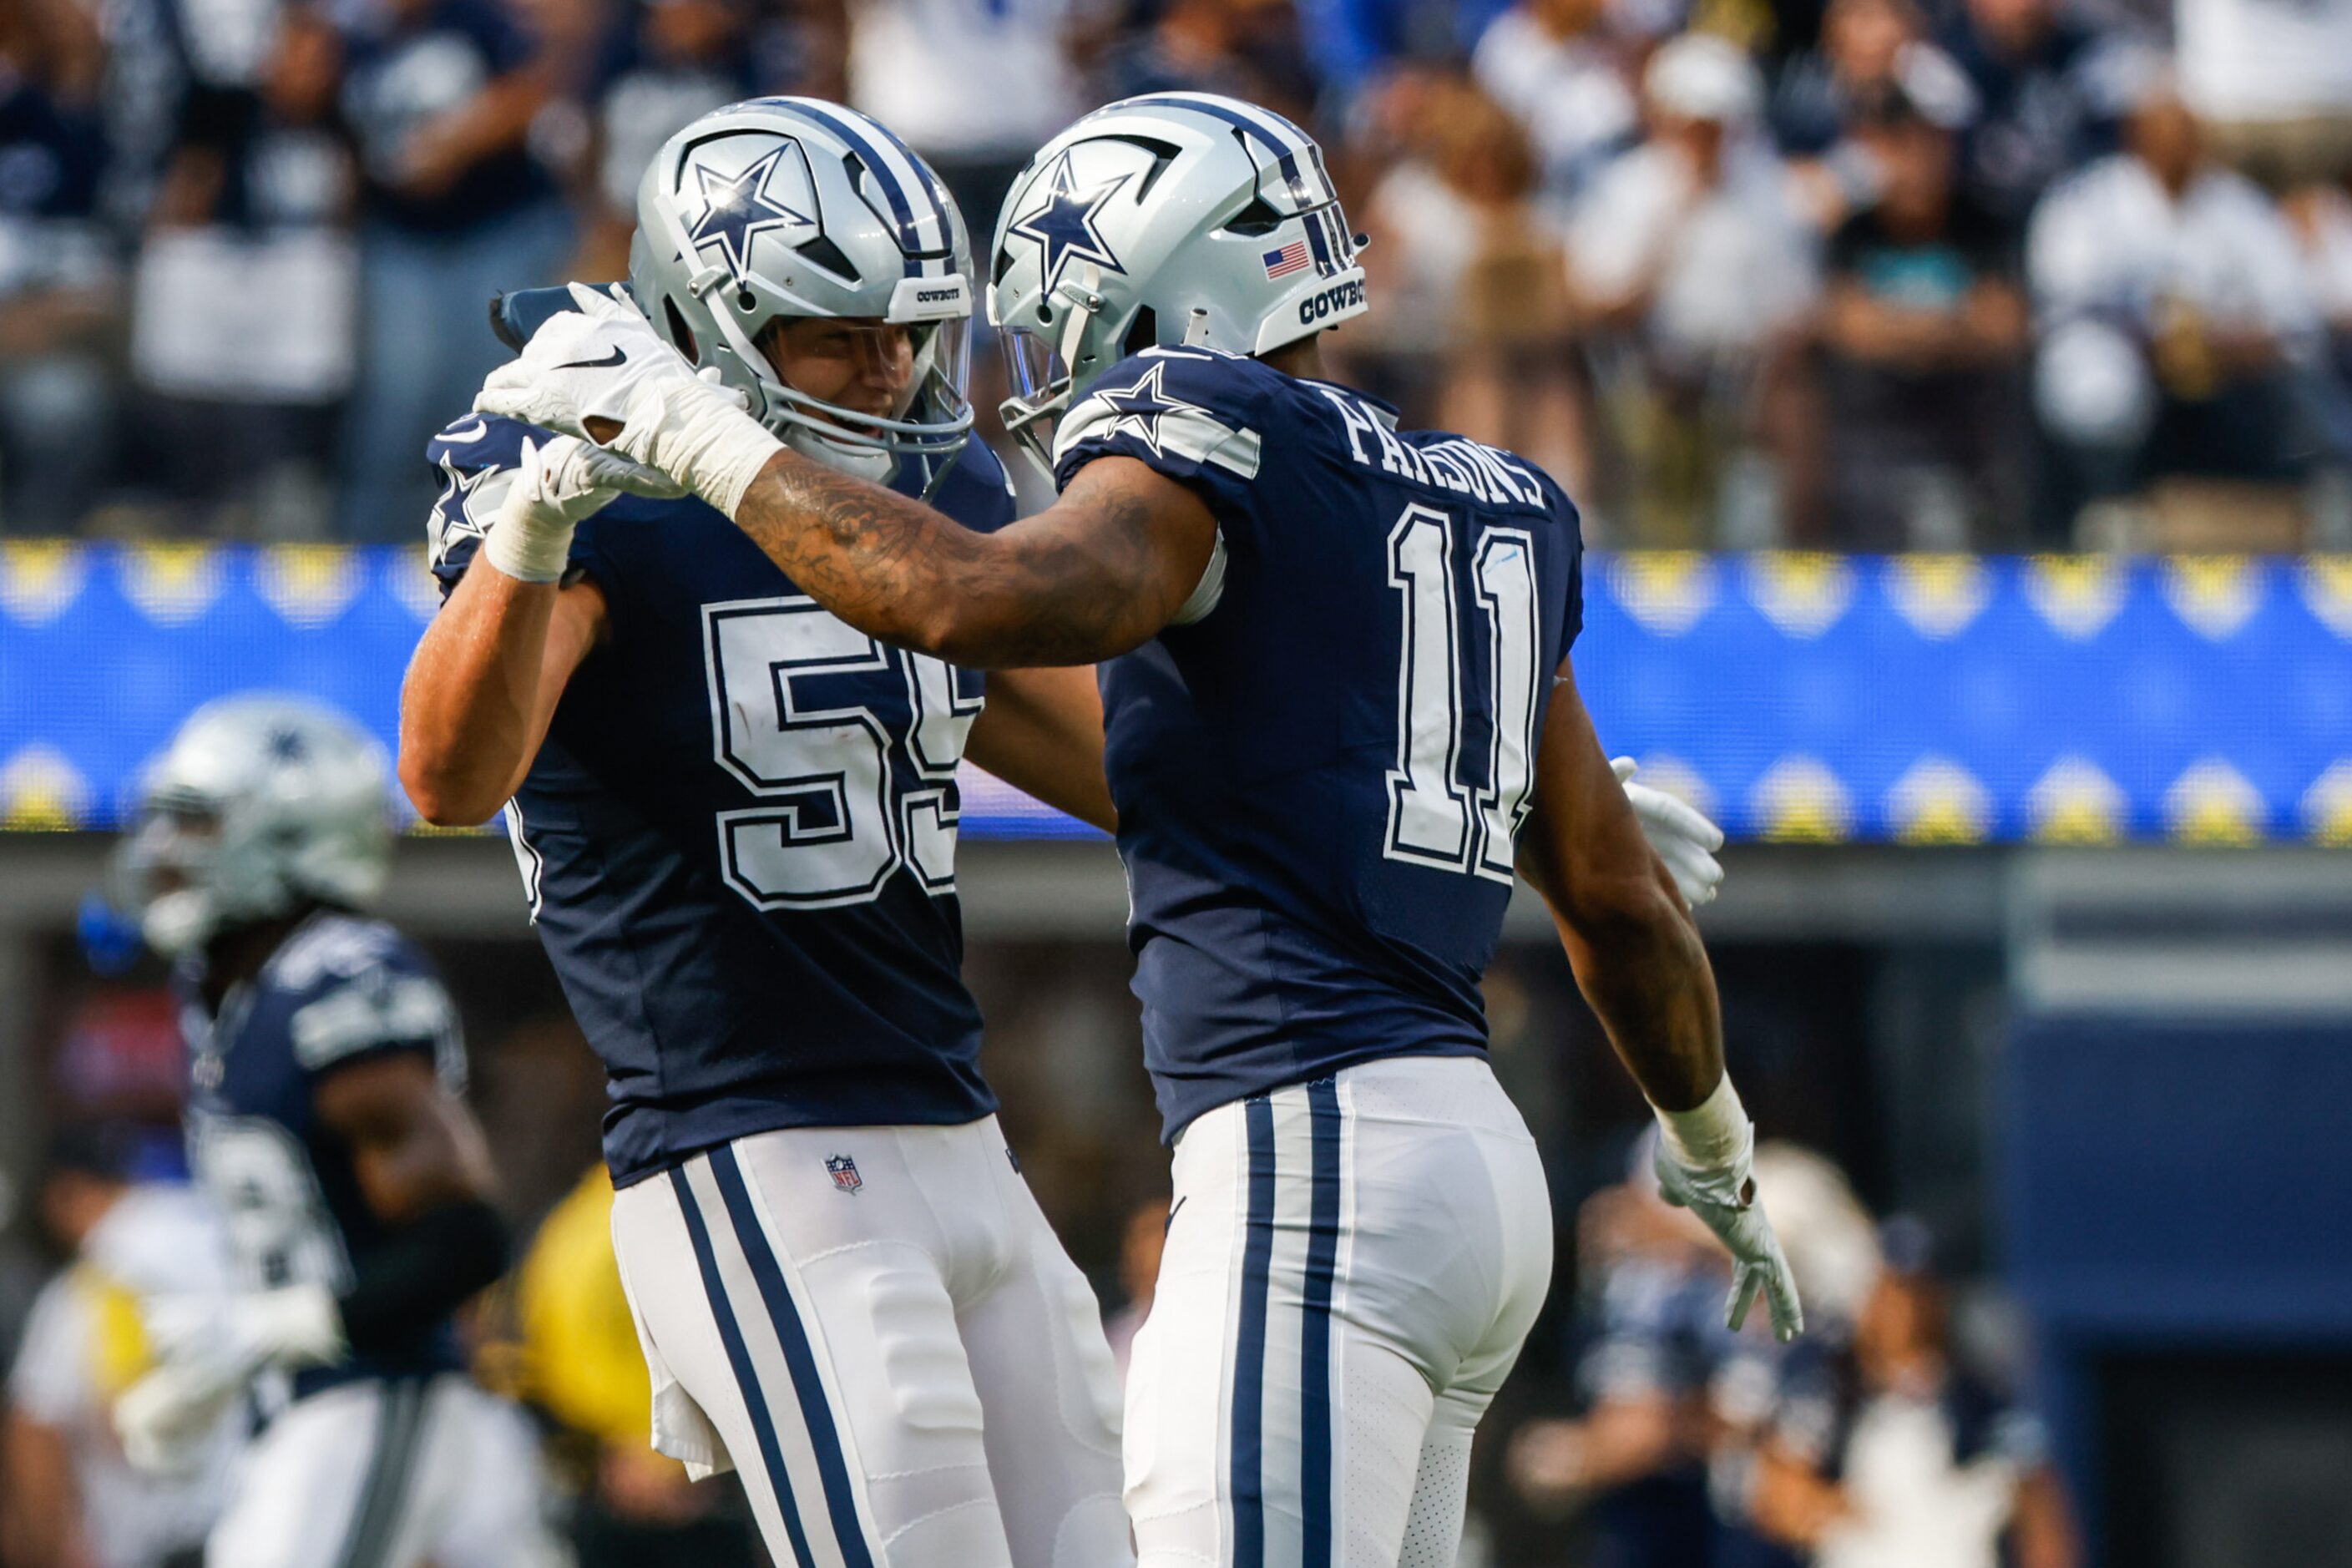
{"x": 845, "y": 1173}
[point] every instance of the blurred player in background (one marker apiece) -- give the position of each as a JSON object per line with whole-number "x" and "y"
{"x": 324, "y": 1119}
{"x": 72, "y": 1499}
{"x": 737, "y": 821}
{"x": 1340, "y": 712}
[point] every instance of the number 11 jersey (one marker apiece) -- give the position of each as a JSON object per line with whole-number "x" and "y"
{"x": 738, "y": 838}
{"x": 1321, "y": 779}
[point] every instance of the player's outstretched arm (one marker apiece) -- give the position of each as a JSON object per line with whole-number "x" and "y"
{"x": 1640, "y": 963}
{"x": 1095, "y": 574}
{"x": 1099, "y": 571}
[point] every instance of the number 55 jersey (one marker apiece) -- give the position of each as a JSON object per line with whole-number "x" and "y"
{"x": 738, "y": 838}
{"x": 1320, "y": 780}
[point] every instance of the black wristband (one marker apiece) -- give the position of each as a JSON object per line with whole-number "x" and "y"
{"x": 404, "y": 1286}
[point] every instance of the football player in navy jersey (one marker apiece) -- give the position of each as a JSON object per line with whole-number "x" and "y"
{"x": 1341, "y": 714}
{"x": 324, "y": 1121}
{"x": 737, "y": 816}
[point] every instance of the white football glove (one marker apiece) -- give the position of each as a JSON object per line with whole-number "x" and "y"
{"x": 1681, "y": 833}
{"x": 208, "y": 1349}
{"x": 561, "y": 482}
{"x": 605, "y": 362}
{"x": 1705, "y": 1163}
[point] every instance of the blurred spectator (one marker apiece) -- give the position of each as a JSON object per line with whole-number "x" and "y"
{"x": 244, "y": 312}
{"x": 1556, "y": 67}
{"x": 1869, "y": 50}
{"x": 1353, "y": 43}
{"x": 1476, "y": 323}
{"x": 1887, "y": 1454}
{"x": 2273, "y": 82}
{"x": 1923, "y": 331}
{"x": 440, "y": 95}
{"x": 73, "y": 1500}
{"x": 58, "y": 293}
{"x": 2038, "y": 70}
{"x": 2179, "y": 331}
{"x": 665, "y": 64}
{"x": 1139, "y": 1275}
{"x": 976, "y": 86}
{"x": 1242, "y": 48}
{"x": 581, "y": 1366}
{"x": 1693, "y": 272}
{"x": 2322, "y": 217}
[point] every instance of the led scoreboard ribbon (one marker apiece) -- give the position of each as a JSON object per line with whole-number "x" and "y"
{"x": 1917, "y": 700}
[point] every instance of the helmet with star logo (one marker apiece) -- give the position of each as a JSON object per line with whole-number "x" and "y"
{"x": 1172, "y": 218}
{"x": 778, "y": 209}
{"x": 258, "y": 803}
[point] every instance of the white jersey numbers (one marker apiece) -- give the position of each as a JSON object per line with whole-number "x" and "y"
{"x": 834, "y": 821}
{"x": 1446, "y": 697}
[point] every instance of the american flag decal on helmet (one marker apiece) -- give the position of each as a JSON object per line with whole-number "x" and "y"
{"x": 1291, "y": 258}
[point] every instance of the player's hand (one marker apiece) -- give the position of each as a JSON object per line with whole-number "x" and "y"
{"x": 602, "y": 373}
{"x": 1681, "y": 833}
{"x": 1724, "y": 1199}
{"x": 207, "y": 1348}
{"x": 560, "y": 481}
{"x": 582, "y": 365}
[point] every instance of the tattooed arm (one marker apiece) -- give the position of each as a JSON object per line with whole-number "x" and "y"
{"x": 1093, "y": 576}
{"x": 1096, "y": 573}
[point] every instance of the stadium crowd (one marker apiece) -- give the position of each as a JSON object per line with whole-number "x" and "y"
{"x": 1852, "y": 274}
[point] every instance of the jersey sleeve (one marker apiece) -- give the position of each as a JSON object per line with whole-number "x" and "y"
{"x": 1198, "y": 418}
{"x": 476, "y": 460}
{"x": 365, "y": 995}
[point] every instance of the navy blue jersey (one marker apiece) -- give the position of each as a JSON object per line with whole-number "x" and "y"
{"x": 740, "y": 836}
{"x": 339, "y": 990}
{"x": 1320, "y": 782}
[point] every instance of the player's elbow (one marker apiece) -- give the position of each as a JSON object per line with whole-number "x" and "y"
{"x": 440, "y": 791}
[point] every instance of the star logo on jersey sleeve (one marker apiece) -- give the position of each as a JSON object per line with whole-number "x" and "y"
{"x": 1064, "y": 227}
{"x": 1139, "y": 409}
{"x": 737, "y": 208}
{"x": 469, "y": 504}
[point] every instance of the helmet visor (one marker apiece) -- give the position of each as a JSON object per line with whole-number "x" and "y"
{"x": 1039, "y": 382}
{"x": 900, "y": 387}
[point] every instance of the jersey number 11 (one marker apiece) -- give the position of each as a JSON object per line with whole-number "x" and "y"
{"x": 1437, "y": 817}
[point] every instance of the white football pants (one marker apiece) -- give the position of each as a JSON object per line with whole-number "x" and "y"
{"x": 389, "y": 1473}
{"x": 1351, "y": 1267}
{"x": 876, "y": 1327}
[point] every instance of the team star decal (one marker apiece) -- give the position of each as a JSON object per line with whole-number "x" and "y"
{"x": 1142, "y": 406}
{"x": 737, "y": 207}
{"x": 1064, "y": 226}
{"x": 453, "y": 514}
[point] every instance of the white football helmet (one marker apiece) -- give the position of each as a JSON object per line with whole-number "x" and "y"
{"x": 1175, "y": 218}
{"x": 259, "y": 803}
{"x": 779, "y": 209}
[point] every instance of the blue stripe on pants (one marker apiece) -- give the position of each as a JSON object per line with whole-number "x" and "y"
{"x": 816, "y": 1412}
{"x": 1314, "y": 1343}
{"x": 1249, "y": 1361}
{"x": 747, "y": 1376}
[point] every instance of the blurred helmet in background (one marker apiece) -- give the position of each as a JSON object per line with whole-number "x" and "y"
{"x": 1172, "y": 219}
{"x": 260, "y": 804}
{"x": 778, "y": 209}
